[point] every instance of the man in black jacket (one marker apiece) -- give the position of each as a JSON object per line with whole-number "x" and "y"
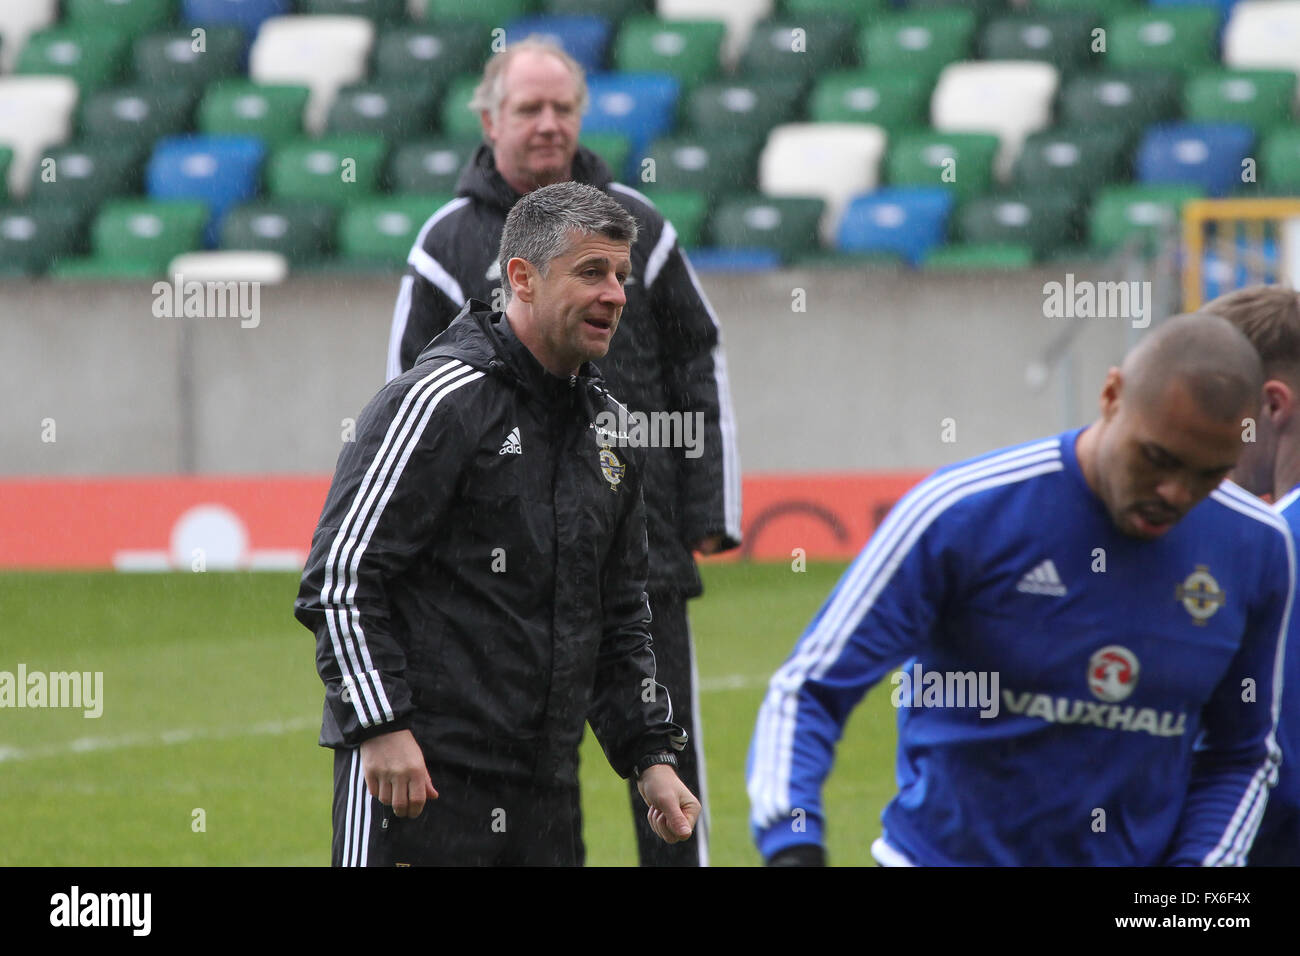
{"x": 666, "y": 364}
{"x": 477, "y": 579}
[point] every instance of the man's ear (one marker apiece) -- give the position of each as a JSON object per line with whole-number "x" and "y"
{"x": 522, "y": 276}
{"x": 485, "y": 120}
{"x": 1110, "y": 392}
{"x": 1279, "y": 402}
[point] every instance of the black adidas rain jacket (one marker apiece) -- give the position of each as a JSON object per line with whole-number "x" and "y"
{"x": 478, "y": 573}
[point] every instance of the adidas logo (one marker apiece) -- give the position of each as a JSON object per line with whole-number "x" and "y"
{"x": 511, "y": 445}
{"x": 1042, "y": 580}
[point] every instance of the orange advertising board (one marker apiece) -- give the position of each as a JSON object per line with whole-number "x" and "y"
{"x": 209, "y": 523}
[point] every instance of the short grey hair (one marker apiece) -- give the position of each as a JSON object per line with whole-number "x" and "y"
{"x": 491, "y": 90}
{"x": 546, "y": 222}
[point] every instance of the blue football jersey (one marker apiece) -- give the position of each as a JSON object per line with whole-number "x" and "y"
{"x": 1278, "y": 842}
{"x": 1069, "y": 694}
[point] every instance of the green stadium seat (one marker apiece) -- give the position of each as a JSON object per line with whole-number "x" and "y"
{"x": 983, "y": 9}
{"x": 1260, "y": 98}
{"x": 381, "y": 11}
{"x": 787, "y": 224}
{"x": 921, "y": 159}
{"x": 743, "y": 107}
{"x": 32, "y": 237}
{"x": 394, "y": 112}
{"x": 711, "y": 164}
{"x": 894, "y": 100}
{"x": 1106, "y": 8}
{"x": 332, "y": 169}
{"x": 152, "y": 231}
{"x": 6, "y": 158}
{"x": 687, "y": 212}
{"x": 1041, "y": 221}
{"x": 613, "y": 148}
{"x": 88, "y": 173}
{"x": 1061, "y": 39}
{"x": 1129, "y": 101}
{"x": 918, "y": 41}
{"x": 169, "y": 57}
{"x": 383, "y": 229}
{"x": 301, "y": 232}
{"x": 690, "y": 50}
{"x": 493, "y": 12}
{"x": 861, "y": 11}
{"x": 139, "y": 113}
{"x": 805, "y": 47}
{"x": 429, "y": 166}
{"x": 457, "y": 119}
{"x": 1120, "y": 213}
{"x": 94, "y": 57}
{"x": 1074, "y": 159}
{"x": 239, "y": 107}
{"x": 129, "y": 16}
{"x": 1164, "y": 38}
{"x": 979, "y": 257}
{"x": 1279, "y": 160}
{"x": 432, "y": 54}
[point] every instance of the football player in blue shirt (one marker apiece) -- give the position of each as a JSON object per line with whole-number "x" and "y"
{"x": 1270, "y": 467}
{"x": 1088, "y": 628}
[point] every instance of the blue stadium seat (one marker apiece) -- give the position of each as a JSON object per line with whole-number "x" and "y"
{"x": 641, "y": 106}
{"x": 219, "y": 170}
{"x": 908, "y": 220}
{"x": 584, "y": 38}
{"x": 1225, "y": 6}
{"x": 246, "y": 14}
{"x": 1208, "y": 155}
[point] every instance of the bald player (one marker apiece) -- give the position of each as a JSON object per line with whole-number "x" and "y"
{"x": 1269, "y": 316}
{"x": 1087, "y": 628}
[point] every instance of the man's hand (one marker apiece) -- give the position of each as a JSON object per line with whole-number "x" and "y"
{"x": 395, "y": 772}
{"x": 673, "y": 808}
{"x": 709, "y": 545}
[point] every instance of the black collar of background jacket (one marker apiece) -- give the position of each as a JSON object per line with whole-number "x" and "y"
{"x": 480, "y": 179}
{"x": 484, "y": 339}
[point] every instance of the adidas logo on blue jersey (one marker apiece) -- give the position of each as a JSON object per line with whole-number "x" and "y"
{"x": 1042, "y": 580}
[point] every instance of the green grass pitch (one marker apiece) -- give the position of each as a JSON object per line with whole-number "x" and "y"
{"x": 211, "y": 703}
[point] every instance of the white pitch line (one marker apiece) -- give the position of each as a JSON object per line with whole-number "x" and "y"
{"x": 83, "y": 745}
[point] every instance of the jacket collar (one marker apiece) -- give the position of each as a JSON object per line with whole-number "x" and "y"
{"x": 483, "y": 339}
{"x": 481, "y": 180}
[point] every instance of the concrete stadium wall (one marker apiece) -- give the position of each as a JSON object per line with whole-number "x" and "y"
{"x": 862, "y": 379}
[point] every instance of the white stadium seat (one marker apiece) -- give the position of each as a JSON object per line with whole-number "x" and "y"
{"x": 739, "y": 16}
{"x": 322, "y": 53}
{"x": 833, "y": 161}
{"x": 230, "y": 266}
{"x": 1011, "y": 98}
{"x": 36, "y": 112}
{"x": 1263, "y": 36}
{"x": 19, "y": 19}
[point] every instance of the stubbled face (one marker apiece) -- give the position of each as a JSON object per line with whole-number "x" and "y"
{"x": 1156, "y": 463}
{"x": 576, "y": 305}
{"x": 535, "y": 134}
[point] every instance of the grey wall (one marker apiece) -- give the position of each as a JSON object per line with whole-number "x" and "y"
{"x": 860, "y": 380}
